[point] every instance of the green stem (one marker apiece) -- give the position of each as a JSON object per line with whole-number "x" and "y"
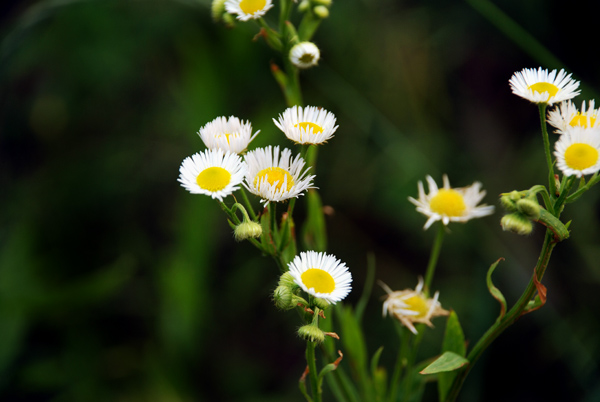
{"x": 402, "y": 352}
{"x": 551, "y": 182}
{"x": 312, "y": 370}
{"x": 248, "y": 204}
{"x": 433, "y": 258}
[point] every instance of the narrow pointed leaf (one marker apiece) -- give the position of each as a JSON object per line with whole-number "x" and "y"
{"x": 448, "y": 361}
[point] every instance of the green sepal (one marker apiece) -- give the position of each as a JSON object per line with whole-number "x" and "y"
{"x": 314, "y": 233}
{"x": 495, "y": 292}
{"x": 448, "y": 361}
{"x": 454, "y": 341}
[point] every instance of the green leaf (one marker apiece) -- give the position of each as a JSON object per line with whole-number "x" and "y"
{"x": 496, "y": 293}
{"x": 448, "y": 361}
{"x": 454, "y": 341}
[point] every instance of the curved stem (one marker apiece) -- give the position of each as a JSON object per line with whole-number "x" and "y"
{"x": 433, "y": 258}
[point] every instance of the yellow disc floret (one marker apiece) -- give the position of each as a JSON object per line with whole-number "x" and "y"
{"x": 542, "y": 87}
{"x": 252, "y": 6}
{"x": 274, "y": 175}
{"x": 321, "y": 281}
{"x": 582, "y": 120}
{"x": 581, "y": 156}
{"x": 448, "y": 202}
{"x": 213, "y": 178}
{"x": 417, "y": 304}
{"x": 308, "y": 125}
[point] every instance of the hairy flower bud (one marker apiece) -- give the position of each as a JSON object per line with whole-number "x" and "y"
{"x": 517, "y": 223}
{"x": 282, "y": 296}
{"x": 247, "y": 230}
{"x": 529, "y": 208}
{"x": 311, "y": 333}
{"x": 321, "y": 11}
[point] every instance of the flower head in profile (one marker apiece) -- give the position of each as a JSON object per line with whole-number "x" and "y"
{"x": 412, "y": 306}
{"x": 275, "y": 176}
{"x": 566, "y": 115}
{"x": 541, "y": 86}
{"x": 229, "y": 134}
{"x": 321, "y": 275}
{"x": 214, "y": 172}
{"x": 248, "y": 9}
{"x": 578, "y": 151}
{"x": 308, "y": 125}
{"x": 448, "y": 204}
{"x": 305, "y": 55}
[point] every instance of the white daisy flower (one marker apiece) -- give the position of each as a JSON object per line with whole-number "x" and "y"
{"x": 275, "y": 177}
{"x": 321, "y": 275}
{"x": 539, "y": 86}
{"x": 566, "y": 115}
{"x": 213, "y": 172}
{"x": 248, "y": 9}
{"x": 578, "y": 152}
{"x": 309, "y": 125}
{"x": 231, "y": 134}
{"x": 412, "y": 306}
{"x": 450, "y": 204}
{"x": 304, "y": 55}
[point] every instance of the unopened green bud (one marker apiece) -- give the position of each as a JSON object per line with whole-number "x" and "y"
{"x": 321, "y": 11}
{"x": 304, "y": 6}
{"x": 517, "y": 223}
{"x": 311, "y": 333}
{"x": 247, "y": 230}
{"x": 508, "y": 203}
{"x": 286, "y": 279}
{"x": 529, "y": 208}
{"x": 320, "y": 303}
{"x": 282, "y": 296}
{"x": 218, "y": 11}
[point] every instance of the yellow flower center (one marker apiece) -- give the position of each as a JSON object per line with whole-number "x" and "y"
{"x": 542, "y": 87}
{"x": 307, "y": 125}
{"x": 582, "y": 120}
{"x": 274, "y": 175}
{"x": 252, "y": 6}
{"x": 581, "y": 156}
{"x": 213, "y": 178}
{"x": 448, "y": 202}
{"x": 417, "y": 304}
{"x": 321, "y": 281}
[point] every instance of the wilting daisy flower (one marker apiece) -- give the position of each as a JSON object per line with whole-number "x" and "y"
{"x": 248, "y": 9}
{"x": 321, "y": 275}
{"x": 566, "y": 115}
{"x": 231, "y": 134}
{"x": 539, "y": 86}
{"x": 412, "y": 306}
{"x": 578, "y": 152}
{"x": 309, "y": 125}
{"x": 450, "y": 204}
{"x": 274, "y": 176}
{"x": 305, "y": 55}
{"x": 213, "y": 172}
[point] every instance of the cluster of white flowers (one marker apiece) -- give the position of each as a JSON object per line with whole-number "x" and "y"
{"x": 577, "y": 151}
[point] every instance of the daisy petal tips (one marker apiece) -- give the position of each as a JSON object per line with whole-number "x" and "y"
{"x": 450, "y": 204}
{"x": 248, "y": 9}
{"x": 213, "y": 172}
{"x": 308, "y": 125}
{"x": 275, "y": 176}
{"x": 321, "y": 275}
{"x": 541, "y": 86}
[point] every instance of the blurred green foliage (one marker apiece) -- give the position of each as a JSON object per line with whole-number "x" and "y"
{"x": 117, "y": 285}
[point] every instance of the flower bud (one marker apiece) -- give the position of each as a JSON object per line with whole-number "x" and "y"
{"x": 516, "y": 222}
{"x": 311, "y": 333}
{"x": 320, "y": 303}
{"x": 321, "y": 12}
{"x": 530, "y": 208}
{"x": 508, "y": 203}
{"x": 286, "y": 279}
{"x": 304, "y": 6}
{"x": 282, "y": 296}
{"x": 247, "y": 230}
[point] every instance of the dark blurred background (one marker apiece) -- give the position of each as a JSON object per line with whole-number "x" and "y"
{"x": 118, "y": 285}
